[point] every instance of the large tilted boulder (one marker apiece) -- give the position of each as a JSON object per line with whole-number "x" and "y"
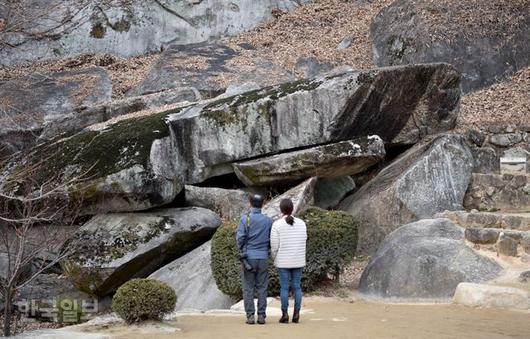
{"x": 431, "y": 177}
{"x": 425, "y": 259}
{"x": 141, "y": 162}
{"x": 114, "y": 248}
{"x": 332, "y": 160}
{"x": 28, "y": 104}
{"x": 129, "y": 166}
{"x": 192, "y": 279}
{"x": 229, "y": 204}
{"x": 302, "y": 197}
{"x": 400, "y": 105}
{"x": 485, "y": 41}
{"x": 124, "y": 28}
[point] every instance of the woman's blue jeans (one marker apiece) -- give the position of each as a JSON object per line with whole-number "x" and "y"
{"x": 290, "y": 277}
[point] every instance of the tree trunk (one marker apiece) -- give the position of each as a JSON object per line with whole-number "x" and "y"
{"x": 7, "y": 313}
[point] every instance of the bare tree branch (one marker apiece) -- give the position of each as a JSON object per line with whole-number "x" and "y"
{"x": 29, "y": 232}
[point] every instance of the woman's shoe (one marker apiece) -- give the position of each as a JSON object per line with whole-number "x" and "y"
{"x": 261, "y": 319}
{"x": 285, "y": 317}
{"x": 296, "y": 317}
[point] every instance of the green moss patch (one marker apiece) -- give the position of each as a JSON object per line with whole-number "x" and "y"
{"x": 97, "y": 154}
{"x": 95, "y": 248}
{"x": 234, "y": 110}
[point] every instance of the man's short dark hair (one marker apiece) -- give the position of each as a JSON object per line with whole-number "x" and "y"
{"x": 256, "y": 200}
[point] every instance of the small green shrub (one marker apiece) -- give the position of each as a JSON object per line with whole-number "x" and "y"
{"x": 331, "y": 243}
{"x": 142, "y": 299}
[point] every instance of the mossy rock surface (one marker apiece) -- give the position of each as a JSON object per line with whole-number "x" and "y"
{"x": 330, "y": 160}
{"x": 114, "y": 248}
{"x": 105, "y": 152}
{"x": 331, "y": 243}
{"x": 401, "y": 105}
{"x": 142, "y": 162}
{"x": 115, "y": 166}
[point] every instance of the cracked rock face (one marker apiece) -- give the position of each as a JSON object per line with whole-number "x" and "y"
{"x": 332, "y": 160}
{"x": 143, "y": 162}
{"x": 192, "y": 279}
{"x": 125, "y": 28}
{"x": 430, "y": 178}
{"x": 211, "y": 136}
{"x": 114, "y": 248}
{"x": 406, "y": 32}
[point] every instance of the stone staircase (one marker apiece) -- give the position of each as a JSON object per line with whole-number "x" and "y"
{"x": 506, "y": 233}
{"x": 497, "y": 225}
{"x": 475, "y": 219}
{"x": 498, "y": 192}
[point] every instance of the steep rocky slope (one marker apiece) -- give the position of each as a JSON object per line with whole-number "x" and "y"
{"x": 31, "y": 30}
{"x": 486, "y": 41}
{"x": 306, "y": 40}
{"x": 507, "y": 102}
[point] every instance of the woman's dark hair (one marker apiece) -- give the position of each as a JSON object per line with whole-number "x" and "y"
{"x": 286, "y": 207}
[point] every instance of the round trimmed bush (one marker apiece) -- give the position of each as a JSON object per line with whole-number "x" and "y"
{"x": 331, "y": 243}
{"x": 143, "y": 299}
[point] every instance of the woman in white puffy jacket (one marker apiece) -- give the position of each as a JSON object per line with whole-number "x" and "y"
{"x": 288, "y": 249}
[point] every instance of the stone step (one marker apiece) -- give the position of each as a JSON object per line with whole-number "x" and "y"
{"x": 482, "y": 295}
{"x": 505, "y": 220}
{"x": 509, "y": 232}
{"x": 507, "y": 242}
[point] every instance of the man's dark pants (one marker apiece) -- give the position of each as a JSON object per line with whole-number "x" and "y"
{"x": 259, "y": 280}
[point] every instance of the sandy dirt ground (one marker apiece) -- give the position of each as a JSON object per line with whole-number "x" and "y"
{"x": 332, "y": 318}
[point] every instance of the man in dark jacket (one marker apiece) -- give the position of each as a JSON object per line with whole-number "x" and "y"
{"x": 253, "y": 239}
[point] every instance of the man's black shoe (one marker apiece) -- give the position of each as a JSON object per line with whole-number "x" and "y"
{"x": 251, "y": 320}
{"x": 285, "y": 317}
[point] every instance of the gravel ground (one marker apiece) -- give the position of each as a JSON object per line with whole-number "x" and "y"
{"x": 472, "y": 19}
{"x": 21, "y": 324}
